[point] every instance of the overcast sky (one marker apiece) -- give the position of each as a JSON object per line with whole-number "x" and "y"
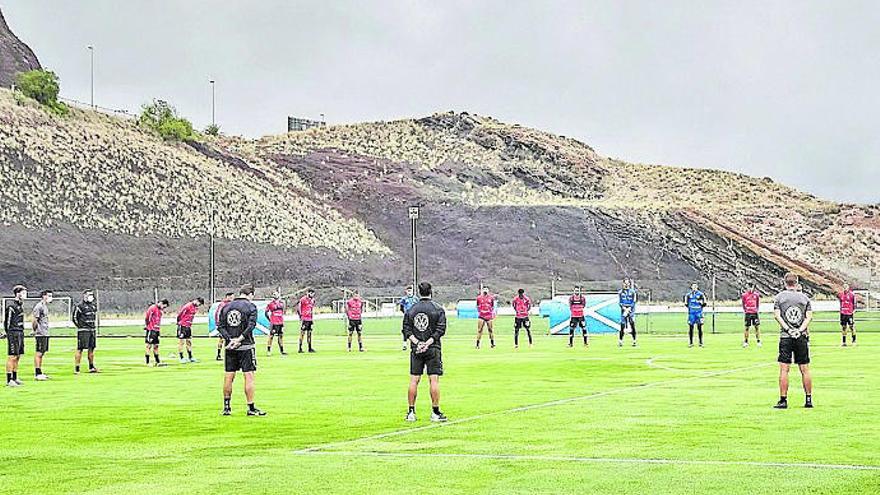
{"x": 781, "y": 89}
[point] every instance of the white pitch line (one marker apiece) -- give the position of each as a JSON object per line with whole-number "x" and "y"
{"x": 607, "y": 460}
{"x": 529, "y": 407}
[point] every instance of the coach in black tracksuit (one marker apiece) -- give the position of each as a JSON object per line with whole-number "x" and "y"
{"x": 236, "y": 325}
{"x": 423, "y": 326}
{"x": 85, "y": 318}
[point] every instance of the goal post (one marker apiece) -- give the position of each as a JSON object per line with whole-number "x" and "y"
{"x": 60, "y": 310}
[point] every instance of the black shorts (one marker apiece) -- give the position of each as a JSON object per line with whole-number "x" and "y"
{"x": 15, "y": 343}
{"x": 794, "y": 350}
{"x": 86, "y": 340}
{"x": 151, "y": 337}
{"x": 42, "y": 344}
{"x": 355, "y": 326}
{"x": 752, "y": 320}
{"x": 238, "y": 360}
{"x": 847, "y": 320}
{"x": 184, "y": 333}
{"x": 305, "y": 326}
{"x": 487, "y": 319}
{"x": 522, "y": 323}
{"x": 277, "y": 329}
{"x": 430, "y": 360}
{"x": 577, "y": 321}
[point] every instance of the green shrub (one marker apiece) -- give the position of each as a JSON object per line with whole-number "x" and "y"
{"x": 43, "y": 86}
{"x": 212, "y": 130}
{"x": 161, "y": 117}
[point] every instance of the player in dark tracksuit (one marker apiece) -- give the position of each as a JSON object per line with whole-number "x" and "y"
{"x": 13, "y": 326}
{"x": 627, "y": 298}
{"x": 423, "y": 326}
{"x": 85, "y": 318}
{"x": 236, "y": 325}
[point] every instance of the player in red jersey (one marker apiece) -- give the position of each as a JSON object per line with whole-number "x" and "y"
{"x": 847, "y": 300}
{"x": 577, "y": 303}
{"x": 185, "y": 318}
{"x": 751, "y": 302}
{"x": 152, "y": 324}
{"x": 221, "y": 343}
{"x": 305, "y": 309}
{"x": 485, "y": 315}
{"x": 522, "y": 304}
{"x": 275, "y": 314}
{"x": 354, "y": 308}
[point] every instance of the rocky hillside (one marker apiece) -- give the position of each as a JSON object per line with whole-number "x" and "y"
{"x": 15, "y": 56}
{"x": 92, "y": 199}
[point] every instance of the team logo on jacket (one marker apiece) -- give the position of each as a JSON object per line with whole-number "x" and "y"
{"x": 794, "y": 316}
{"x": 233, "y": 318}
{"x": 421, "y": 322}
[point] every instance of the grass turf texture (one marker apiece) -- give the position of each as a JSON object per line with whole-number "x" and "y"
{"x": 138, "y": 429}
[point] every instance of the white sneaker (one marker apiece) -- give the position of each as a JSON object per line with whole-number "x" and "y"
{"x": 411, "y": 417}
{"x": 184, "y": 360}
{"x": 12, "y": 383}
{"x": 745, "y": 344}
{"x": 41, "y": 377}
{"x": 19, "y": 382}
{"x": 161, "y": 365}
{"x": 438, "y": 418}
{"x": 760, "y": 344}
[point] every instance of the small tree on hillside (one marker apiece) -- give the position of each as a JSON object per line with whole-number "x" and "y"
{"x": 43, "y": 86}
{"x": 212, "y": 130}
{"x": 161, "y": 117}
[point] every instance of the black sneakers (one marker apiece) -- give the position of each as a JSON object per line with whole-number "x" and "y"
{"x": 782, "y": 404}
{"x": 256, "y": 412}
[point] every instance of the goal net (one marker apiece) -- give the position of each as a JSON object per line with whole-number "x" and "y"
{"x": 59, "y": 314}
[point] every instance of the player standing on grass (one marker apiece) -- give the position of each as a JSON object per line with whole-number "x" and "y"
{"x": 627, "y": 298}
{"x": 152, "y": 325}
{"x": 794, "y": 313}
{"x": 40, "y": 325}
{"x": 237, "y": 322}
{"x": 275, "y": 313}
{"x": 354, "y": 308}
{"x": 185, "y": 318}
{"x": 485, "y": 315}
{"x": 847, "y": 300}
{"x": 576, "y": 304}
{"x": 85, "y": 319}
{"x": 751, "y": 302}
{"x": 13, "y": 326}
{"x": 305, "y": 309}
{"x": 423, "y": 326}
{"x": 223, "y": 302}
{"x": 406, "y": 302}
{"x": 521, "y": 306}
{"x": 695, "y": 301}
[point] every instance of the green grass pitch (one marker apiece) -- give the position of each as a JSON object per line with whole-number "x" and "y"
{"x": 656, "y": 419}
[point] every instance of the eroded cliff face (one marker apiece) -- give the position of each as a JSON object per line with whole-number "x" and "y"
{"x": 15, "y": 56}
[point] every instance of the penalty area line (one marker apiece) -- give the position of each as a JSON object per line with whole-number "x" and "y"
{"x": 606, "y": 460}
{"x": 540, "y": 405}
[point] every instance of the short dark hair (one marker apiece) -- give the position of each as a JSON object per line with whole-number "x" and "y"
{"x": 200, "y": 300}
{"x": 230, "y": 294}
{"x": 45, "y": 292}
{"x": 246, "y": 290}
{"x": 165, "y": 302}
{"x": 425, "y": 289}
{"x": 310, "y": 290}
{"x": 520, "y": 291}
{"x": 17, "y": 289}
{"x": 88, "y": 291}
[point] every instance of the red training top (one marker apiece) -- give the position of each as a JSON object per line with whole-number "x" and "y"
{"x": 847, "y": 302}
{"x": 153, "y": 318}
{"x": 275, "y": 308}
{"x": 354, "y": 307}
{"x": 186, "y": 314}
{"x": 521, "y": 305}
{"x": 219, "y": 308}
{"x": 306, "y": 308}
{"x": 577, "y": 305}
{"x": 486, "y": 306}
{"x": 751, "y": 300}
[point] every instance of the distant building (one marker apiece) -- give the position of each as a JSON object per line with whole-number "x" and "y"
{"x": 298, "y": 124}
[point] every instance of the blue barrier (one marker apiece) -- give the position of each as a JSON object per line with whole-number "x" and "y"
{"x": 602, "y": 313}
{"x": 467, "y": 309}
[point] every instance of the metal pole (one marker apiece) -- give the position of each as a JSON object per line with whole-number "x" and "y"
{"x": 713, "y": 303}
{"x": 92, "y": 61}
{"x": 213, "y": 119}
{"x": 211, "y": 232}
{"x": 414, "y": 217}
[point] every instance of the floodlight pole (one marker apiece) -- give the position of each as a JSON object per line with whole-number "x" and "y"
{"x": 713, "y": 302}
{"x": 213, "y": 119}
{"x": 414, "y": 218}
{"x": 92, "y": 68}
{"x": 211, "y": 248}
